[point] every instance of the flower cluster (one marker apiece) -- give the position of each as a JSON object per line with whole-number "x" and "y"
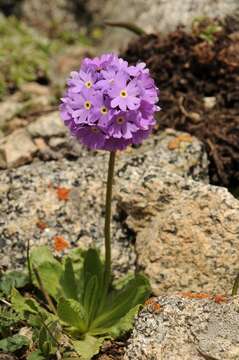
{"x": 109, "y": 104}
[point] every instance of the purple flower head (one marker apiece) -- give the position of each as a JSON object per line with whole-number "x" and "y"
{"x": 108, "y": 104}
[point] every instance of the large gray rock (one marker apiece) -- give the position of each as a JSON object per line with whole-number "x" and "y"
{"x": 155, "y": 15}
{"x": 187, "y": 232}
{"x": 49, "y": 16}
{"x": 31, "y": 98}
{"x": 16, "y": 149}
{"x": 177, "y": 328}
{"x": 47, "y": 126}
{"x": 31, "y": 207}
{"x": 184, "y": 234}
{"x": 9, "y": 108}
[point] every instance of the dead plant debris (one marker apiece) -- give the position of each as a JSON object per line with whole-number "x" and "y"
{"x": 198, "y": 76}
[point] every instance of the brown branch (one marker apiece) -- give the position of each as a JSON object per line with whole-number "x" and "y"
{"x": 128, "y": 26}
{"x": 217, "y": 161}
{"x": 44, "y": 292}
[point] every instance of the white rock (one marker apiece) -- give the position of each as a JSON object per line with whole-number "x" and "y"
{"x": 181, "y": 328}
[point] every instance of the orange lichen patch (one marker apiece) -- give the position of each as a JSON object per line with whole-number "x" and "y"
{"x": 152, "y": 305}
{"x": 149, "y": 301}
{"x": 60, "y": 243}
{"x": 192, "y": 295}
{"x": 219, "y": 299}
{"x": 63, "y": 193}
{"x": 41, "y": 225}
{"x": 175, "y": 143}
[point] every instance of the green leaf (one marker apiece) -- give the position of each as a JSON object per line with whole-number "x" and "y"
{"x": 121, "y": 302}
{"x": 88, "y": 347}
{"x": 91, "y": 298}
{"x": 48, "y": 337}
{"x": 13, "y": 279}
{"x": 77, "y": 257}
{"x": 8, "y": 318}
{"x": 92, "y": 274}
{"x": 123, "y": 325}
{"x": 50, "y": 275}
{"x": 50, "y": 270}
{"x": 123, "y": 280}
{"x": 21, "y": 304}
{"x": 68, "y": 281}
{"x": 72, "y": 313}
{"x": 42, "y": 340}
{"x": 42, "y": 254}
{"x": 13, "y": 343}
{"x": 36, "y": 355}
{"x": 93, "y": 267}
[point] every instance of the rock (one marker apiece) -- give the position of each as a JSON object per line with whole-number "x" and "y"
{"x": 175, "y": 328}
{"x": 31, "y": 98}
{"x": 47, "y": 126}
{"x": 187, "y": 232}
{"x": 33, "y": 88}
{"x": 188, "y": 158}
{"x": 16, "y": 149}
{"x": 68, "y": 60}
{"x": 33, "y": 196}
{"x": 16, "y": 123}
{"x": 57, "y": 142}
{"x": 9, "y": 108}
{"x": 4, "y": 356}
{"x": 48, "y": 17}
{"x": 154, "y": 15}
{"x": 41, "y": 144}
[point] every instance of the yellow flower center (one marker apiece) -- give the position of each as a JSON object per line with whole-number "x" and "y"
{"x": 87, "y": 105}
{"x": 123, "y": 93}
{"x": 104, "y": 110}
{"x": 120, "y": 120}
{"x": 88, "y": 84}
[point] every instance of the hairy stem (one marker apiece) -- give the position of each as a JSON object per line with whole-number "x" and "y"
{"x": 108, "y": 201}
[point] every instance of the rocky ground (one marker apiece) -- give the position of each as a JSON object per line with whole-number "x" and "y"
{"x": 168, "y": 221}
{"x": 186, "y": 327}
{"x": 33, "y": 192}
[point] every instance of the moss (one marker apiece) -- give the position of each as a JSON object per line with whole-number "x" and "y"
{"x": 24, "y": 55}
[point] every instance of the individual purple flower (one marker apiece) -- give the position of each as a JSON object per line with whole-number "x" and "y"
{"x": 123, "y": 125}
{"x": 91, "y": 136}
{"x": 102, "y": 113}
{"x": 109, "y": 104}
{"x": 84, "y": 114}
{"x": 80, "y": 80}
{"x": 108, "y": 79}
{"x": 140, "y": 68}
{"x": 124, "y": 93}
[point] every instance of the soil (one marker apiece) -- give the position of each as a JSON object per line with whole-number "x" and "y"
{"x": 198, "y": 77}
{"x": 112, "y": 350}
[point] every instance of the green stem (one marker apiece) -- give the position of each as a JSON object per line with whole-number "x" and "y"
{"x": 107, "y": 274}
{"x": 29, "y": 262}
